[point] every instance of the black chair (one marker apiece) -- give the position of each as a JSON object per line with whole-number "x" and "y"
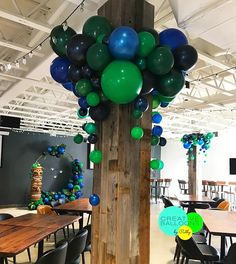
{"x": 166, "y": 201}
{"x": 194, "y": 206}
{"x": 183, "y": 186}
{"x": 231, "y": 256}
{"x": 5, "y": 216}
{"x": 191, "y": 250}
{"x": 216, "y": 203}
{"x": 88, "y": 242}
{"x": 55, "y": 256}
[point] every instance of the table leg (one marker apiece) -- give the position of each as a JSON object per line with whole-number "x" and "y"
{"x": 222, "y": 247}
{"x": 81, "y": 221}
{"x": 40, "y": 248}
{"x": 1, "y": 260}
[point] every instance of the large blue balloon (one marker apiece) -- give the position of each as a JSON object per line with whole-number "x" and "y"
{"x": 173, "y": 38}
{"x": 59, "y": 70}
{"x": 123, "y": 43}
{"x": 94, "y": 199}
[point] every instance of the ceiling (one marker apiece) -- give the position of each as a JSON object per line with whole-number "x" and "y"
{"x": 28, "y": 91}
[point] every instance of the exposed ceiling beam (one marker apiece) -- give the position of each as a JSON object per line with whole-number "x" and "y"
{"x": 25, "y": 21}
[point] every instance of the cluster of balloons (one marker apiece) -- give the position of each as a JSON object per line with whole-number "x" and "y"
{"x": 120, "y": 65}
{"x": 157, "y": 130}
{"x": 197, "y": 139}
{"x": 57, "y": 151}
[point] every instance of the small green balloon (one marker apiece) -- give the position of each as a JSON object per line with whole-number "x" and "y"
{"x": 78, "y": 139}
{"x": 93, "y": 99}
{"x": 98, "y": 57}
{"x": 137, "y": 113}
{"x": 160, "y": 61}
{"x": 95, "y": 156}
{"x": 192, "y": 157}
{"x": 209, "y": 135}
{"x": 90, "y": 128}
{"x": 155, "y": 102}
{"x": 156, "y": 164}
{"x": 147, "y": 43}
{"x": 141, "y": 63}
{"x": 155, "y": 140}
{"x": 97, "y": 25}
{"x": 76, "y": 188}
{"x": 137, "y": 132}
{"x": 83, "y": 87}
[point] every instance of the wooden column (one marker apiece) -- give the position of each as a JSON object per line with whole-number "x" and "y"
{"x": 192, "y": 172}
{"x": 121, "y": 223}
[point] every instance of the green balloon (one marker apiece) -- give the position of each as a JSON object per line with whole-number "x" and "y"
{"x": 155, "y": 140}
{"x": 155, "y": 102}
{"x": 165, "y": 99}
{"x": 141, "y": 63}
{"x": 137, "y": 132}
{"x": 93, "y": 99}
{"x": 76, "y": 188}
{"x": 90, "y": 128}
{"x": 59, "y": 39}
{"x": 137, "y": 114}
{"x": 83, "y": 87}
{"x": 78, "y": 139}
{"x": 171, "y": 83}
{"x": 147, "y": 43}
{"x": 156, "y": 164}
{"x": 121, "y": 81}
{"x": 98, "y": 57}
{"x": 209, "y": 135}
{"x": 97, "y": 25}
{"x": 95, "y": 156}
{"x": 160, "y": 61}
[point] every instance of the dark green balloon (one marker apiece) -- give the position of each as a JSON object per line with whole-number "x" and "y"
{"x": 155, "y": 102}
{"x": 155, "y": 140}
{"x": 160, "y": 61}
{"x": 98, "y": 56}
{"x": 171, "y": 83}
{"x": 83, "y": 87}
{"x": 90, "y": 128}
{"x": 137, "y": 114}
{"x": 59, "y": 39}
{"x": 97, "y": 25}
{"x": 93, "y": 99}
{"x": 78, "y": 139}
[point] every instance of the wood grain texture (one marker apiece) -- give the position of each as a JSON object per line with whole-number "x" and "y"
{"x": 192, "y": 172}
{"x": 81, "y": 205}
{"x": 121, "y": 223}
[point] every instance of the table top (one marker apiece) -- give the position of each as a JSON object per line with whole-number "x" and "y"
{"x": 80, "y": 206}
{"x": 15, "y": 239}
{"x": 51, "y": 221}
{"x": 219, "y": 222}
{"x": 194, "y": 198}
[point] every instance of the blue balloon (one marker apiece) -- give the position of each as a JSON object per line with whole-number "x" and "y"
{"x": 82, "y": 102}
{"x": 69, "y": 86}
{"x": 123, "y": 43}
{"x": 81, "y": 177}
{"x": 81, "y": 185}
{"x": 78, "y": 194}
{"x": 154, "y": 92}
{"x": 173, "y": 38}
{"x": 49, "y": 150}
{"x": 75, "y": 177}
{"x": 157, "y": 131}
{"x": 59, "y": 70}
{"x": 141, "y": 103}
{"x": 56, "y": 197}
{"x": 63, "y": 196}
{"x": 164, "y": 104}
{"x": 156, "y": 118}
{"x": 200, "y": 142}
{"x": 94, "y": 199}
{"x": 70, "y": 186}
{"x": 162, "y": 142}
{"x": 46, "y": 200}
{"x": 187, "y": 145}
{"x": 61, "y": 150}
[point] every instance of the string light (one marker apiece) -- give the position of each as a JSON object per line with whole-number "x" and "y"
{"x": 64, "y": 24}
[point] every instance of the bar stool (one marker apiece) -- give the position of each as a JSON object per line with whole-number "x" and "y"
{"x": 220, "y": 187}
{"x": 165, "y": 187}
{"x": 183, "y": 186}
{"x": 230, "y": 194}
{"x": 205, "y": 187}
{"x": 213, "y": 189}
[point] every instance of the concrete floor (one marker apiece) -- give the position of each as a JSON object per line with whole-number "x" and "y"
{"x": 162, "y": 246}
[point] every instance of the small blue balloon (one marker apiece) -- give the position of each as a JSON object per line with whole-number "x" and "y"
{"x": 141, "y": 103}
{"x": 70, "y": 186}
{"x": 69, "y": 86}
{"x": 123, "y": 43}
{"x": 81, "y": 185}
{"x": 94, "y": 199}
{"x": 154, "y": 92}
{"x": 46, "y": 200}
{"x": 75, "y": 177}
{"x": 173, "y": 38}
{"x": 164, "y": 104}
{"x": 157, "y": 131}
{"x": 63, "y": 196}
{"x": 82, "y": 102}
{"x": 56, "y": 197}
{"x": 156, "y": 118}
{"x": 200, "y": 142}
{"x": 49, "y": 150}
{"x": 78, "y": 194}
{"x": 59, "y": 70}
{"x": 162, "y": 142}
{"x": 61, "y": 150}
{"x": 187, "y": 145}
{"x": 81, "y": 177}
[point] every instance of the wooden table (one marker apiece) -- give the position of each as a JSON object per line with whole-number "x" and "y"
{"x": 219, "y": 223}
{"x": 19, "y": 233}
{"x": 77, "y": 207}
{"x": 194, "y": 199}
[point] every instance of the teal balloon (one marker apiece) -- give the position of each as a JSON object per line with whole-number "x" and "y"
{"x": 90, "y": 128}
{"x": 160, "y": 61}
{"x": 78, "y": 139}
{"x": 121, "y": 81}
{"x": 170, "y": 84}
{"x": 98, "y": 57}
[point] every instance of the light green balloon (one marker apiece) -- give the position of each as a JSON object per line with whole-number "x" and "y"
{"x": 156, "y": 164}
{"x": 95, "y": 156}
{"x": 137, "y": 132}
{"x": 147, "y": 43}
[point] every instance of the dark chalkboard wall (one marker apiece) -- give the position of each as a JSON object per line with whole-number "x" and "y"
{"x": 20, "y": 150}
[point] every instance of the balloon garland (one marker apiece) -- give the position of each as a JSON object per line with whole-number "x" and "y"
{"x": 197, "y": 139}
{"x": 122, "y": 66}
{"x": 70, "y": 193}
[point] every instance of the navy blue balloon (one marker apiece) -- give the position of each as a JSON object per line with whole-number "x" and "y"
{"x": 123, "y": 43}
{"x": 164, "y": 104}
{"x": 157, "y": 131}
{"x": 75, "y": 177}
{"x": 162, "y": 142}
{"x": 141, "y": 103}
{"x": 94, "y": 199}
{"x": 78, "y": 194}
{"x": 187, "y": 145}
{"x": 82, "y": 102}
{"x": 173, "y": 38}
{"x": 154, "y": 92}
{"x": 156, "y": 118}
{"x": 59, "y": 70}
{"x": 69, "y": 86}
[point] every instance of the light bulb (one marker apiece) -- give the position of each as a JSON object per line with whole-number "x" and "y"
{"x": 31, "y": 54}
{"x": 17, "y": 64}
{"x": 65, "y": 26}
{"x": 24, "y": 60}
{"x": 39, "y": 47}
{"x": 9, "y": 66}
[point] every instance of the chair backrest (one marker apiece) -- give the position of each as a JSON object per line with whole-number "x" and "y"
{"x": 182, "y": 184}
{"x": 231, "y": 256}
{"x": 76, "y": 246}
{"x": 45, "y": 209}
{"x": 189, "y": 248}
{"x": 55, "y": 256}
{"x": 88, "y": 240}
{"x": 223, "y": 206}
{"x": 167, "y": 202}
{"x": 5, "y": 216}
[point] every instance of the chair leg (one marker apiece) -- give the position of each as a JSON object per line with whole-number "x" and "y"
{"x": 186, "y": 261}
{"x": 176, "y": 251}
{"x": 182, "y": 260}
{"x": 14, "y": 259}
{"x": 29, "y": 255}
{"x": 178, "y": 255}
{"x": 89, "y": 217}
{"x": 83, "y": 258}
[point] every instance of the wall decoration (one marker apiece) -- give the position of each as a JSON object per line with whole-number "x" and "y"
{"x": 72, "y": 191}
